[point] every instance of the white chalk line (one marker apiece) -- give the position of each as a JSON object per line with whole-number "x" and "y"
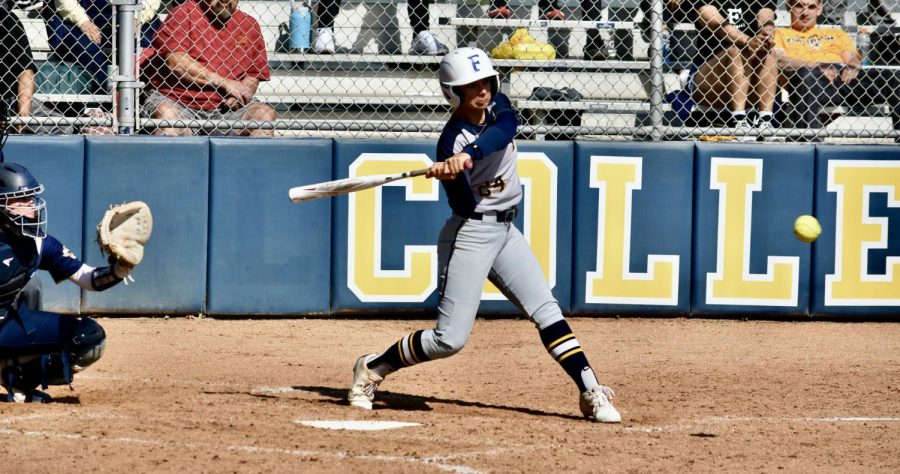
{"x": 148, "y": 380}
{"x": 357, "y": 425}
{"x": 264, "y": 389}
{"x": 439, "y": 462}
{"x": 8, "y": 420}
{"x": 191, "y": 382}
{"x": 434, "y": 461}
{"x": 722, "y": 420}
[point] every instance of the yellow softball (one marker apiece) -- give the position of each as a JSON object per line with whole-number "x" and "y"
{"x": 807, "y": 228}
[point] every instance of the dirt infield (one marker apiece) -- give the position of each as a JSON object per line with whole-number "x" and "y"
{"x": 200, "y": 395}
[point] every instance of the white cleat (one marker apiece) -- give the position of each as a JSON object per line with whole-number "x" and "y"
{"x": 595, "y": 405}
{"x": 426, "y": 43}
{"x": 364, "y": 383}
{"x": 324, "y": 41}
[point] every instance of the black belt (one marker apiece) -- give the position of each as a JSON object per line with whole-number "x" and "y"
{"x": 505, "y": 216}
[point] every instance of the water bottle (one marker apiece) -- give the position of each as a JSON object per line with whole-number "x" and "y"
{"x": 300, "y": 25}
{"x": 864, "y": 46}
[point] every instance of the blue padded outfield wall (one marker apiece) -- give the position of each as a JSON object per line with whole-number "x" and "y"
{"x": 618, "y": 227}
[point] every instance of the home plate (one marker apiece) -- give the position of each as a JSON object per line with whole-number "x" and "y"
{"x": 356, "y": 425}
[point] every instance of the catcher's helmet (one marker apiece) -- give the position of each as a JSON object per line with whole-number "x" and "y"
{"x": 465, "y": 66}
{"x": 17, "y": 184}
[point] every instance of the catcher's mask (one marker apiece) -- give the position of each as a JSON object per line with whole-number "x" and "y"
{"x": 22, "y": 211}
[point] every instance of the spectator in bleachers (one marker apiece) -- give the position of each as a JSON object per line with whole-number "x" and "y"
{"x": 734, "y": 66}
{"x": 209, "y": 60}
{"x": 17, "y": 73}
{"x": 549, "y": 9}
{"x": 80, "y": 30}
{"x": 591, "y": 10}
{"x": 423, "y": 41}
{"x": 824, "y": 69}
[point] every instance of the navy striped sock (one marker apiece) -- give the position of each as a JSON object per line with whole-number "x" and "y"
{"x": 406, "y": 352}
{"x": 562, "y": 345}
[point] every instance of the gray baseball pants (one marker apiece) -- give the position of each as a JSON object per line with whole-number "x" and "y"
{"x": 470, "y": 251}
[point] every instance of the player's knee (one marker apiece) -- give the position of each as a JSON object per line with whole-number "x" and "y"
{"x": 84, "y": 345}
{"x": 547, "y": 314}
{"x": 448, "y": 343}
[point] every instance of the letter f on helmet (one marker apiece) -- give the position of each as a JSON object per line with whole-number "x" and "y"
{"x": 475, "y": 61}
{"x": 465, "y": 66}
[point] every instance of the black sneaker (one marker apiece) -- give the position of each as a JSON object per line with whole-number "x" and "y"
{"x": 595, "y": 48}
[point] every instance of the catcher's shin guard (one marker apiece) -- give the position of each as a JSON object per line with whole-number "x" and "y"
{"x": 85, "y": 345}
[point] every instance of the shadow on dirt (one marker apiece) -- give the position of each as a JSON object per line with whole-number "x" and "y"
{"x": 402, "y": 401}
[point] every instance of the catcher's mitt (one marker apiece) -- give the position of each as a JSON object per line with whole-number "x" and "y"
{"x": 124, "y": 230}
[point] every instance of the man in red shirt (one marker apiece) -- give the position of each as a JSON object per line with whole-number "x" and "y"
{"x": 210, "y": 58}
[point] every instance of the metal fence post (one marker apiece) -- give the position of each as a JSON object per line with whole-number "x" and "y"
{"x": 657, "y": 81}
{"x": 123, "y": 71}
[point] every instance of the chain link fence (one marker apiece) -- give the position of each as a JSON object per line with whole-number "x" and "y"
{"x": 746, "y": 70}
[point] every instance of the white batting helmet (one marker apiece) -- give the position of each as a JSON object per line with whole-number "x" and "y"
{"x": 465, "y": 66}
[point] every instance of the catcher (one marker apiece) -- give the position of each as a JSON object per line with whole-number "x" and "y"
{"x": 39, "y": 348}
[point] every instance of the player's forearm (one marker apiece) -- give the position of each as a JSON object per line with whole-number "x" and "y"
{"x": 96, "y": 279}
{"x": 188, "y": 70}
{"x": 496, "y": 137}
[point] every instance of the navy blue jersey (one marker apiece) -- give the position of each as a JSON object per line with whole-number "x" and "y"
{"x": 20, "y": 259}
{"x": 493, "y": 182}
{"x": 57, "y": 259}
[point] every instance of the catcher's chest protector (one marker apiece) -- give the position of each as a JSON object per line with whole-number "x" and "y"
{"x": 17, "y": 264}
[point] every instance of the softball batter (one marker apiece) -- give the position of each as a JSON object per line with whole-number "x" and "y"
{"x": 476, "y": 162}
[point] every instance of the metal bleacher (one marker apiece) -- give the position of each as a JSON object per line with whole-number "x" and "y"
{"x": 376, "y": 86}
{"x": 614, "y": 92}
{"x": 376, "y": 77}
{"x": 67, "y": 94}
